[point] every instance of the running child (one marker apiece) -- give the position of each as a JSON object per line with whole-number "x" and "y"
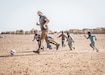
{"x": 70, "y": 41}
{"x": 37, "y": 37}
{"x": 63, "y": 36}
{"x": 92, "y": 40}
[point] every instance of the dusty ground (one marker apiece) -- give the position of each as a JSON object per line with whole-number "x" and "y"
{"x": 81, "y": 61}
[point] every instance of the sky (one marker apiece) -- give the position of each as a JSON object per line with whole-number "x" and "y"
{"x": 63, "y": 14}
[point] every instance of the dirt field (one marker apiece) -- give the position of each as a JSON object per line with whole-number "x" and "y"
{"x": 81, "y": 61}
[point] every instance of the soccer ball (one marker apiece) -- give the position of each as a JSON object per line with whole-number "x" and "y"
{"x": 12, "y": 52}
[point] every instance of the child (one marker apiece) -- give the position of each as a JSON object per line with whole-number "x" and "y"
{"x": 63, "y": 36}
{"x": 48, "y": 44}
{"x": 70, "y": 41}
{"x": 92, "y": 39}
{"x": 37, "y": 37}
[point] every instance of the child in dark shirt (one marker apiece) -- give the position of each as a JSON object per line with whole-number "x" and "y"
{"x": 63, "y": 36}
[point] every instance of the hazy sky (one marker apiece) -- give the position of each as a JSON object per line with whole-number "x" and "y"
{"x": 63, "y": 14}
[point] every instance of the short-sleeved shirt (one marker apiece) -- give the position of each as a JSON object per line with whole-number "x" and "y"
{"x": 91, "y": 37}
{"x": 42, "y": 22}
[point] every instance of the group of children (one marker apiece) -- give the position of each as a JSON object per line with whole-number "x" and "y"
{"x": 37, "y": 37}
{"x": 69, "y": 40}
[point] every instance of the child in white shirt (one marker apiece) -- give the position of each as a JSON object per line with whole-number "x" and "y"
{"x": 70, "y": 41}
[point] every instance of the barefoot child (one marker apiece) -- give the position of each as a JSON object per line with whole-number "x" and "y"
{"x": 63, "y": 36}
{"x": 70, "y": 41}
{"x": 92, "y": 39}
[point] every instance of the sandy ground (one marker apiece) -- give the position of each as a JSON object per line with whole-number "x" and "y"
{"x": 81, "y": 61}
